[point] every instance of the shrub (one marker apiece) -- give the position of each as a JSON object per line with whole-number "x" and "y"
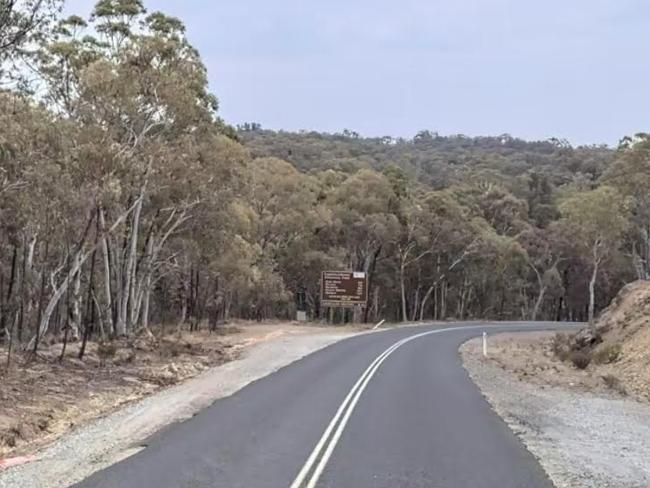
{"x": 580, "y": 359}
{"x": 613, "y": 383}
{"x": 608, "y": 354}
{"x": 106, "y": 351}
{"x": 560, "y": 345}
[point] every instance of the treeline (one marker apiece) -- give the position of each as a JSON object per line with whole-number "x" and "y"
{"x": 125, "y": 201}
{"x": 434, "y": 160}
{"x": 489, "y": 227}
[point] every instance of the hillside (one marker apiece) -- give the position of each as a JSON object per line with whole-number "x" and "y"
{"x": 610, "y": 357}
{"x": 432, "y": 159}
{"x": 623, "y": 339}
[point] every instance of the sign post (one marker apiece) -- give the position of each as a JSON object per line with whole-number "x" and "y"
{"x": 343, "y": 289}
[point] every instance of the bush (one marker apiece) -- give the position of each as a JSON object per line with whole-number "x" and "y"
{"x": 608, "y": 354}
{"x": 561, "y": 345}
{"x": 106, "y": 351}
{"x": 580, "y": 359}
{"x": 613, "y": 383}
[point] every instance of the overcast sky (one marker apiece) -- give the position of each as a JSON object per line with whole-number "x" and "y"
{"x": 575, "y": 69}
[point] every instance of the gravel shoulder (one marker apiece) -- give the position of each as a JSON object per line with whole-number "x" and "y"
{"x": 584, "y": 434}
{"x": 111, "y": 438}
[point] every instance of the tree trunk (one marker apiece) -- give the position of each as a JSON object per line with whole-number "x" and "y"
{"x": 184, "y": 299}
{"x": 538, "y": 303}
{"x": 369, "y": 269}
{"x": 8, "y": 299}
{"x": 123, "y": 324}
{"x": 108, "y": 292}
{"x": 592, "y": 292}
{"x": 443, "y": 300}
{"x": 416, "y": 304}
{"x": 90, "y": 309}
{"x": 58, "y": 294}
{"x": 41, "y": 296}
{"x": 403, "y": 293}
{"x": 145, "y": 307}
{"x": 147, "y": 287}
{"x": 78, "y": 260}
{"x": 21, "y": 294}
{"x": 436, "y": 303}
{"x": 592, "y": 282}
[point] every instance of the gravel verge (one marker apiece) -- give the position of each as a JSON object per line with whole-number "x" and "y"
{"x": 107, "y": 440}
{"x": 582, "y": 439}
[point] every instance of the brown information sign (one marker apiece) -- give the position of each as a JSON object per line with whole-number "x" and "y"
{"x": 343, "y": 288}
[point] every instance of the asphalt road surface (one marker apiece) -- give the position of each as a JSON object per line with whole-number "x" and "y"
{"x": 393, "y": 409}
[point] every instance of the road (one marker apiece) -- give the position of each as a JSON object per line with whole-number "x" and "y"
{"x": 382, "y": 410}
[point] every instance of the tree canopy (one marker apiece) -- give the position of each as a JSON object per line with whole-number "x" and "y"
{"x": 127, "y": 202}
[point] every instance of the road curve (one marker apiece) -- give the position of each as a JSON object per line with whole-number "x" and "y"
{"x": 382, "y": 410}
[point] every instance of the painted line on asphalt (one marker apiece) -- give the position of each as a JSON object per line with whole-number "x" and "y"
{"x": 311, "y": 472}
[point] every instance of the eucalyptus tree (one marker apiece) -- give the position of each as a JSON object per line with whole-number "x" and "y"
{"x": 594, "y": 221}
{"x": 23, "y": 23}
{"x": 543, "y": 252}
{"x": 364, "y": 220}
{"x": 137, "y": 96}
{"x": 30, "y": 157}
{"x": 451, "y": 234}
{"x": 630, "y": 175}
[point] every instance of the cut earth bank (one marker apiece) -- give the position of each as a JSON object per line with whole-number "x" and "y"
{"x": 580, "y": 403}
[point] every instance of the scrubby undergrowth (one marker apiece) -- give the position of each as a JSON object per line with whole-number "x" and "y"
{"x": 43, "y": 398}
{"x": 617, "y": 345}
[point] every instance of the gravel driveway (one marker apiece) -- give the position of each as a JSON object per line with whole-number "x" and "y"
{"x": 582, "y": 440}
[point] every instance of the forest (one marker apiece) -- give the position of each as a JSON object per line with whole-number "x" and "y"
{"x": 128, "y": 206}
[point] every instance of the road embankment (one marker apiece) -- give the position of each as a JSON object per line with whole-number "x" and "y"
{"x": 585, "y": 432}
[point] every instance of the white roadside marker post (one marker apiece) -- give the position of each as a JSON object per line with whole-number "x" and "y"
{"x": 379, "y": 324}
{"x": 484, "y": 344}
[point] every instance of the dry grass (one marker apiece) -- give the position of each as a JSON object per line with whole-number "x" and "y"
{"x": 40, "y": 400}
{"x": 618, "y": 361}
{"x": 613, "y": 383}
{"x": 608, "y": 354}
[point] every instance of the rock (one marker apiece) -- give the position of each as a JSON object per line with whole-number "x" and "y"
{"x": 586, "y": 338}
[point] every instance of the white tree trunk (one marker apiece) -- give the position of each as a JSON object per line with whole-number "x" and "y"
{"x": 538, "y": 303}
{"x": 122, "y": 325}
{"x": 443, "y": 301}
{"x": 145, "y": 307}
{"x": 108, "y": 313}
{"x": 77, "y": 261}
{"x": 403, "y": 292}
{"x": 75, "y": 323}
{"x": 592, "y": 291}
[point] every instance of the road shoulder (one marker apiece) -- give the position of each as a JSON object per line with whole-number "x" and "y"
{"x": 109, "y": 439}
{"x": 582, "y": 434}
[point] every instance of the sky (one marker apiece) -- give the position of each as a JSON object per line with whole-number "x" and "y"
{"x": 573, "y": 69}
